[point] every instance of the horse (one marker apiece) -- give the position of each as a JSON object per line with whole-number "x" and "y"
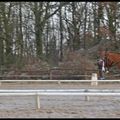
{"x": 111, "y": 59}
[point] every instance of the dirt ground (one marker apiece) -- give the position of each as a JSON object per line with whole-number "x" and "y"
{"x": 59, "y": 106}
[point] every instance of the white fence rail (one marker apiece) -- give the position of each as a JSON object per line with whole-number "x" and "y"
{"x": 92, "y": 81}
{"x": 84, "y": 81}
{"x": 58, "y": 90}
{"x": 81, "y": 92}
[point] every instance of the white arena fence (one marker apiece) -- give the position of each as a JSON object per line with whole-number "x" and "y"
{"x": 66, "y": 92}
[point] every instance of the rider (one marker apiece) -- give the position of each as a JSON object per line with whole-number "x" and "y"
{"x": 101, "y": 68}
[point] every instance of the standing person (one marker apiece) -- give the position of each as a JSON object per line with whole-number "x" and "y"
{"x": 101, "y": 68}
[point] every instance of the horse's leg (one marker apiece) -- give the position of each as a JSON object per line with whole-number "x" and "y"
{"x": 106, "y": 70}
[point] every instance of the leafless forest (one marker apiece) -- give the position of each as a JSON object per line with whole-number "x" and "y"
{"x": 43, "y": 35}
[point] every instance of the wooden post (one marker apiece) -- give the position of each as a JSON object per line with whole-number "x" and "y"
{"x": 50, "y": 74}
{"x": 94, "y": 79}
{"x": 87, "y": 98}
{"x": 59, "y": 82}
{"x": 38, "y": 101}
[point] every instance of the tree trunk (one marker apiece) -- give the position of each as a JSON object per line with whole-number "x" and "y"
{"x": 61, "y": 33}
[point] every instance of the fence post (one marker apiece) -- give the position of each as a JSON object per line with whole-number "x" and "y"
{"x": 50, "y": 74}
{"x": 59, "y": 82}
{"x": 38, "y": 101}
{"x": 94, "y": 79}
{"x": 87, "y": 98}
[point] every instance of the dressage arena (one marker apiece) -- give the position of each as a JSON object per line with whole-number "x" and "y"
{"x": 60, "y": 106}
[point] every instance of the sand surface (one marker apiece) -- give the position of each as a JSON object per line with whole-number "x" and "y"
{"x": 59, "y": 106}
